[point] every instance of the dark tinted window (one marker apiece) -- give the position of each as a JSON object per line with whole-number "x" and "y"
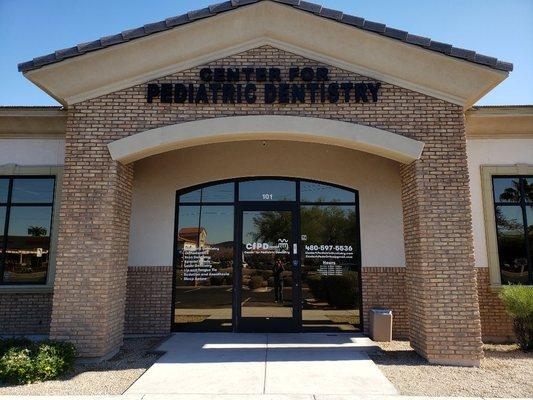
{"x": 25, "y": 255}
{"x": 514, "y": 226}
{"x": 511, "y": 244}
{"x": 28, "y": 245}
{"x": 506, "y": 190}
{"x": 4, "y": 186}
{"x": 223, "y": 193}
{"x": 311, "y": 192}
{"x": 204, "y": 278}
{"x": 267, "y": 190}
{"x": 33, "y": 190}
{"x": 330, "y": 289}
{"x": 528, "y": 189}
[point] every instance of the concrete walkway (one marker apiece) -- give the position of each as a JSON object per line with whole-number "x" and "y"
{"x": 274, "y": 365}
{"x": 248, "y": 397}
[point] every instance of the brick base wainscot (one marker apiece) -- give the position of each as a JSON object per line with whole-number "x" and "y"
{"x": 385, "y": 287}
{"x": 148, "y": 301}
{"x": 25, "y": 313}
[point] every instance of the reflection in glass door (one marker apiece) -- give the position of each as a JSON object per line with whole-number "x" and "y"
{"x": 266, "y": 254}
{"x": 268, "y": 278}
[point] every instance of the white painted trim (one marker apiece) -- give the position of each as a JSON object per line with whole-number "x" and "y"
{"x": 252, "y": 44}
{"x": 137, "y": 61}
{"x": 266, "y": 127}
{"x": 487, "y": 172}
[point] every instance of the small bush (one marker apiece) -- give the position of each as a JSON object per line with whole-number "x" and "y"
{"x": 518, "y": 301}
{"x": 317, "y": 287}
{"x": 24, "y": 361}
{"x": 342, "y": 290}
{"x": 256, "y": 282}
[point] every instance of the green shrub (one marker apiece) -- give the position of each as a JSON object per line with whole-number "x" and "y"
{"x": 518, "y": 301}
{"x": 341, "y": 290}
{"x": 24, "y": 361}
{"x": 316, "y": 286}
{"x": 255, "y": 282}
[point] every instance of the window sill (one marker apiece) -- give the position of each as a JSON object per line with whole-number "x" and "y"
{"x": 496, "y": 288}
{"x": 26, "y": 289}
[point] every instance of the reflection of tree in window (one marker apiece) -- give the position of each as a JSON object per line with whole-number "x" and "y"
{"x": 37, "y": 231}
{"x": 528, "y": 190}
{"x": 329, "y": 224}
{"x": 271, "y": 226}
{"x": 511, "y": 194}
{"x": 511, "y": 243}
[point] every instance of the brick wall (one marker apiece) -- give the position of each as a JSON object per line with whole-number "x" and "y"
{"x": 385, "y": 287}
{"x": 91, "y": 274}
{"x": 25, "y": 313}
{"x": 445, "y": 325}
{"x": 496, "y": 325}
{"x": 148, "y": 300}
{"x": 91, "y": 263}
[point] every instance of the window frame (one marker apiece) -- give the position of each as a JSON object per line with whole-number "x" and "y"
{"x": 38, "y": 172}
{"x": 488, "y": 172}
{"x": 237, "y": 204}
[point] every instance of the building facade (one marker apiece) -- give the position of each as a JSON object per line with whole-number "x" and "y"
{"x": 264, "y": 166}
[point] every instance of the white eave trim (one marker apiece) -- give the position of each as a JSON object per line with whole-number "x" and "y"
{"x": 366, "y": 53}
{"x": 266, "y": 127}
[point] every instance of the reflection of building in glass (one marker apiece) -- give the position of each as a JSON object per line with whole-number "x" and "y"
{"x": 26, "y": 259}
{"x": 192, "y": 238}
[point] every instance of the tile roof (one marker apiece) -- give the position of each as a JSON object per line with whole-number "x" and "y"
{"x": 214, "y": 9}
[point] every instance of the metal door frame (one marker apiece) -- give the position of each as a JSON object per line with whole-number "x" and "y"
{"x": 292, "y": 207}
{"x": 239, "y": 205}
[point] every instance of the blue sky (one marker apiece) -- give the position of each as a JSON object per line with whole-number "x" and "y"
{"x": 503, "y": 29}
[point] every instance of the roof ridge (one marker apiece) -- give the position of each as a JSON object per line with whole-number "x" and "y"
{"x": 214, "y": 9}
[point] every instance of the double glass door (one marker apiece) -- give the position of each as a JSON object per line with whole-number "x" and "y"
{"x": 268, "y": 269}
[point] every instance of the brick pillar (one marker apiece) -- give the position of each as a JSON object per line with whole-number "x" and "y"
{"x": 444, "y": 320}
{"x": 91, "y": 270}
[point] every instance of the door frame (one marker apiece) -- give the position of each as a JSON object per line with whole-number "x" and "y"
{"x": 292, "y": 207}
{"x": 236, "y": 203}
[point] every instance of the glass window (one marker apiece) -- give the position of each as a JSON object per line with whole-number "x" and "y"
{"x": 311, "y": 192}
{"x": 514, "y": 217}
{"x": 204, "y": 279}
{"x": 330, "y": 288}
{"x": 191, "y": 197}
{"x": 25, "y": 255}
{"x": 28, "y": 245}
{"x": 2, "y": 228}
{"x": 33, "y": 190}
{"x": 223, "y": 193}
{"x": 205, "y": 256}
{"x": 528, "y": 189}
{"x": 4, "y": 187}
{"x": 267, "y": 190}
{"x": 506, "y": 190}
{"x": 2, "y": 223}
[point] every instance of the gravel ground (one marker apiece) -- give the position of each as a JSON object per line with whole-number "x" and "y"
{"x": 110, "y": 377}
{"x": 505, "y": 372}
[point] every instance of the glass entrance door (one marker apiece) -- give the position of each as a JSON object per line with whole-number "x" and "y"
{"x": 269, "y": 273}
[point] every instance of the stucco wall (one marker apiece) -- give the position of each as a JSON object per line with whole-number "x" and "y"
{"x": 490, "y": 152}
{"x": 32, "y": 151}
{"x": 157, "y": 178}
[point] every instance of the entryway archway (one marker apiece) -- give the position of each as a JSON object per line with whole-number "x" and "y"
{"x": 267, "y": 254}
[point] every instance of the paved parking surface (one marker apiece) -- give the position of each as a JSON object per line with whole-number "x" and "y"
{"x": 276, "y": 365}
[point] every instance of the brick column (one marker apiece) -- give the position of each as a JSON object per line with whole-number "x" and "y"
{"x": 91, "y": 270}
{"x": 444, "y": 324}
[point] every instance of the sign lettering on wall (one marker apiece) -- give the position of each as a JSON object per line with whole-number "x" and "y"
{"x": 241, "y": 85}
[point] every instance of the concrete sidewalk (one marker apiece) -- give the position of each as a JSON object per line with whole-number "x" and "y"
{"x": 264, "y": 364}
{"x": 249, "y": 397}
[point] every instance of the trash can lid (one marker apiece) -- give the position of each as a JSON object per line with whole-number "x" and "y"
{"x": 381, "y": 310}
